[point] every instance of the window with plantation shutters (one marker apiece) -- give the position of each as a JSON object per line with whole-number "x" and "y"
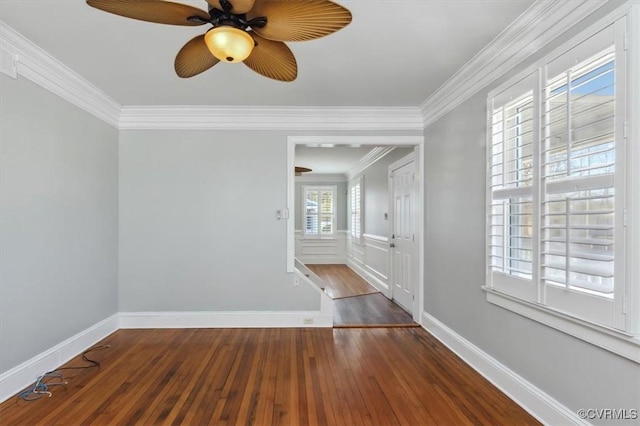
{"x": 579, "y": 167}
{"x": 355, "y": 199}
{"x": 556, "y": 182}
{"x": 510, "y": 181}
{"x": 319, "y": 207}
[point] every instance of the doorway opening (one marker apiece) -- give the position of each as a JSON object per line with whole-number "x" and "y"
{"x": 361, "y": 223}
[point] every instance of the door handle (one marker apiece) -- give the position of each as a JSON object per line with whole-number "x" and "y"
{"x": 392, "y": 245}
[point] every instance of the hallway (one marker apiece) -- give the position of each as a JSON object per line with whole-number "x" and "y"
{"x": 356, "y": 302}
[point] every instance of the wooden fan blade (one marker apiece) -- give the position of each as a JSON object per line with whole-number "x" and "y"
{"x": 272, "y": 59}
{"x": 299, "y": 20}
{"x": 237, "y": 6}
{"x": 194, "y": 58}
{"x": 161, "y": 12}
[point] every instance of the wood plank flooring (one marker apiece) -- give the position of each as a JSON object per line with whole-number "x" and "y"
{"x": 357, "y": 303}
{"x": 386, "y": 376}
{"x": 342, "y": 281}
{"x": 370, "y": 310}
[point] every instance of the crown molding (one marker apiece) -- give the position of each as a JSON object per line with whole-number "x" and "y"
{"x": 372, "y": 156}
{"x": 537, "y": 26}
{"x": 19, "y": 56}
{"x": 270, "y": 118}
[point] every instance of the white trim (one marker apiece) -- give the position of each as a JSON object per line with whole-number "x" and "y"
{"x": 531, "y": 31}
{"x": 531, "y": 398}
{"x": 322, "y": 260}
{"x": 357, "y": 140}
{"x": 632, "y": 294}
{"x": 611, "y": 340}
{"x": 19, "y": 377}
{"x": 292, "y": 141}
{"x": 33, "y": 63}
{"x": 270, "y": 118}
{"x": 534, "y": 29}
{"x": 224, "y": 319}
{"x": 582, "y": 36}
{"x": 616, "y": 341}
{"x": 355, "y": 209}
{"x": 368, "y": 160}
{"x": 319, "y": 187}
{"x": 322, "y": 250}
{"x": 418, "y": 162}
{"x": 291, "y": 201}
{"x": 326, "y": 302}
{"x": 381, "y": 238}
{"x": 8, "y": 61}
{"x": 370, "y": 278}
{"x": 19, "y": 56}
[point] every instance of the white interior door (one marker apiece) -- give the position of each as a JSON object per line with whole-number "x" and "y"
{"x": 403, "y": 246}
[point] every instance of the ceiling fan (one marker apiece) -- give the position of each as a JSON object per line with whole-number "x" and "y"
{"x": 249, "y": 31}
{"x": 300, "y": 170}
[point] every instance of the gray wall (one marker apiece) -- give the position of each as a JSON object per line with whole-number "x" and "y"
{"x": 198, "y": 228}
{"x": 574, "y": 372}
{"x": 58, "y": 221}
{"x": 376, "y": 192}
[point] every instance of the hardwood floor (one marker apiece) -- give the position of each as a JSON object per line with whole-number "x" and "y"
{"x": 342, "y": 281}
{"x": 371, "y": 310}
{"x": 365, "y": 376}
{"x": 356, "y": 302}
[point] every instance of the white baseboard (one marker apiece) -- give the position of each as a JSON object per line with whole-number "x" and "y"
{"x": 255, "y": 319}
{"x": 368, "y": 277}
{"x": 322, "y": 260}
{"x": 19, "y": 377}
{"x": 531, "y": 398}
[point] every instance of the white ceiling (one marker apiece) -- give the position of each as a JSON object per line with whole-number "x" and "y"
{"x": 329, "y": 160}
{"x": 394, "y": 53}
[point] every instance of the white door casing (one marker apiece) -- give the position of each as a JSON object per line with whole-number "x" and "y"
{"x": 362, "y": 140}
{"x": 403, "y": 241}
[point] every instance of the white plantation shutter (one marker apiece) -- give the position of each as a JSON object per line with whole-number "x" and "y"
{"x": 556, "y": 183}
{"x": 311, "y": 211}
{"x": 581, "y": 230}
{"x": 579, "y": 166}
{"x": 510, "y": 181}
{"x": 319, "y": 207}
{"x": 327, "y": 209}
{"x": 355, "y": 196}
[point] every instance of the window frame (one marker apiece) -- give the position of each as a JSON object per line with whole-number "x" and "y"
{"x": 334, "y": 215}
{"x": 356, "y": 183}
{"x": 624, "y": 339}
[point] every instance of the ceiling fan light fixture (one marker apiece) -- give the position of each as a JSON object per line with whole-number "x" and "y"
{"x": 229, "y": 44}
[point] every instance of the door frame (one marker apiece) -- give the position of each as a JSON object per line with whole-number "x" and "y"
{"x": 409, "y": 158}
{"x": 416, "y": 141}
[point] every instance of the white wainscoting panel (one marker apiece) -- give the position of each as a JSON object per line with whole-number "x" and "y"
{"x": 357, "y": 254}
{"x": 19, "y": 377}
{"x": 323, "y": 251}
{"x": 370, "y": 259}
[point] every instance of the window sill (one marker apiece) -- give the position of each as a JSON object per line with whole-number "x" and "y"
{"x": 615, "y": 341}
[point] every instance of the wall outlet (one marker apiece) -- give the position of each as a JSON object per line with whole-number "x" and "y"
{"x": 307, "y": 320}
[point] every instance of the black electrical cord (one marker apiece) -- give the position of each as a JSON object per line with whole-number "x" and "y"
{"x": 41, "y": 388}
{"x": 93, "y": 363}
